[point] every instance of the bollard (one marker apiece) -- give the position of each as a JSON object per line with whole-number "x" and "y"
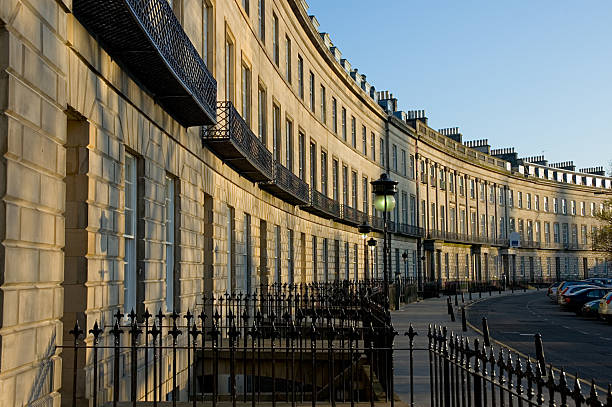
{"x": 540, "y": 352}
{"x": 456, "y": 303}
{"x": 485, "y": 332}
{"x": 470, "y": 291}
{"x": 462, "y": 297}
{"x": 452, "y": 314}
{"x": 463, "y": 321}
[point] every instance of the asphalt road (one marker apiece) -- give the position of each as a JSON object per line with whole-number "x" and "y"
{"x": 579, "y": 345}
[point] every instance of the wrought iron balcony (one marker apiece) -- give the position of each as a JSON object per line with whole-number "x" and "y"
{"x": 147, "y": 40}
{"x": 322, "y": 206}
{"x": 410, "y": 230}
{"x": 232, "y": 141}
{"x": 287, "y": 186}
{"x": 378, "y": 223}
{"x": 352, "y": 216}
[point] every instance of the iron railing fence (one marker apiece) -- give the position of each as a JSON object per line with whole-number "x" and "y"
{"x": 476, "y": 373}
{"x": 282, "y": 343}
{"x": 233, "y": 141}
{"x": 146, "y": 37}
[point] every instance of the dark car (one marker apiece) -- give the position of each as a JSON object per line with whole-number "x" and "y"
{"x": 590, "y": 309}
{"x": 576, "y": 300}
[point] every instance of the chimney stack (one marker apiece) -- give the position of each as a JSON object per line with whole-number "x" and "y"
{"x": 594, "y": 171}
{"x": 452, "y": 133}
{"x": 507, "y": 154}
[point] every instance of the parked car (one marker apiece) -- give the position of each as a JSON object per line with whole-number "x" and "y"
{"x": 605, "y": 307}
{"x": 590, "y": 309}
{"x": 575, "y": 301}
{"x": 552, "y": 289}
{"x": 564, "y": 285}
{"x": 602, "y": 281}
{"x": 573, "y": 289}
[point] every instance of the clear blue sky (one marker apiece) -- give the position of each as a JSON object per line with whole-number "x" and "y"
{"x": 535, "y": 75}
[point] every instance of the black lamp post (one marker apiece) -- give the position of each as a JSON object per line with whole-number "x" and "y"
{"x": 384, "y": 190}
{"x": 372, "y": 245}
{"x": 364, "y": 230}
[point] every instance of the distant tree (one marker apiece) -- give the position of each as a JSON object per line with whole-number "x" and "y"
{"x": 602, "y": 238}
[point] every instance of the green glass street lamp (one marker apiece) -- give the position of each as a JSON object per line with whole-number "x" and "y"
{"x": 384, "y": 190}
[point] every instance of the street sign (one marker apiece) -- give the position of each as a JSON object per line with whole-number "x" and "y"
{"x": 515, "y": 239}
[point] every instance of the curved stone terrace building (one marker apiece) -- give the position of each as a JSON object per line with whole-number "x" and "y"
{"x": 153, "y": 151}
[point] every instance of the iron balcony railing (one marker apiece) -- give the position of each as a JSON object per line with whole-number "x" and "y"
{"x": 287, "y": 186}
{"x": 465, "y": 238}
{"x": 565, "y": 246}
{"x": 410, "y": 230}
{"x": 232, "y": 140}
{"x": 322, "y": 205}
{"x": 352, "y": 216}
{"x": 147, "y": 40}
{"x": 377, "y": 223}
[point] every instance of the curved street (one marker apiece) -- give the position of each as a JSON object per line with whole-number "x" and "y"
{"x": 579, "y": 345}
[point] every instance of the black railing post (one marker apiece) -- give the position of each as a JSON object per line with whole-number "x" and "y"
{"x": 116, "y": 332}
{"x": 146, "y": 316}
{"x": 96, "y": 332}
{"x": 154, "y": 332}
{"x": 411, "y": 334}
{"x": 485, "y": 332}
{"x": 539, "y": 347}
{"x": 174, "y": 332}
{"x": 134, "y": 332}
{"x": 430, "y": 347}
{"x": 476, "y": 374}
{"x": 194, "y": 332}
{"x": 446, "y": 382}
{"x": 313, "y": 354}
{"x": 76, "y": 332}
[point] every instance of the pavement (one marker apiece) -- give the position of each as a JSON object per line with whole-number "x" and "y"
{"x": 421, "y": 315}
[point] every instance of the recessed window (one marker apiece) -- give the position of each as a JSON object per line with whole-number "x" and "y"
{"x": 275, "y": 45}
{"x": 288, "y": 58}
{"x": 323, "y": 105}
{"x": 335, "y": 115}
{"x": 301, "y": 77}
{"x": 246, "y": 94}
{"x": 261, "y": 15}
{"x": 130, "y": 216}
{"x": 169, "y": 242}
{"x": 262, "y": 124}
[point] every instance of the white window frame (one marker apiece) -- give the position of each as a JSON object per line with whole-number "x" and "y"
{"x": 129, "y": 235}
{"x": 169, "y": 241}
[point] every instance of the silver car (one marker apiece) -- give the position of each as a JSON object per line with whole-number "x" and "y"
{"x": 605, "y": 307}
